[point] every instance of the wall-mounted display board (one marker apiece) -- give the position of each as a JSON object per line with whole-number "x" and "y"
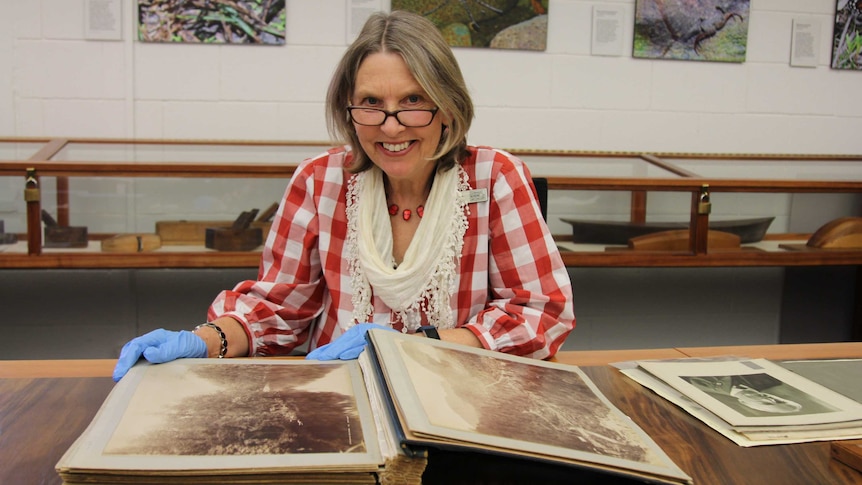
{"x": 499, "y": 24}
{"x": 847, "y": 36}
{"x": 212, "y": 21}
{"x": 704, "y": 30}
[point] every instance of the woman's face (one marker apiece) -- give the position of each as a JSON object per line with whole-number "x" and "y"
{"x": 384, "y": 82}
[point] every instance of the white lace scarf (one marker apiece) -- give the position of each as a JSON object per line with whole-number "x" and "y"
{"x": 426, "y": 278}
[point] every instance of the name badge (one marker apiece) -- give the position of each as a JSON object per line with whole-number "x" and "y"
{"x": 476, "y": 195}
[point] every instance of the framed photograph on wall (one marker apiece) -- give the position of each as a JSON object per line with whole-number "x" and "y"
{"x": 212, "y": 21}
{"x": 499, "y": 24}
{"x": 695, "y": 30}
{"x": 847, "y": 36}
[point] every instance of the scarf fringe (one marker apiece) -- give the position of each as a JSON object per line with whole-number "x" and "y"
{"x": 427, "y": 278}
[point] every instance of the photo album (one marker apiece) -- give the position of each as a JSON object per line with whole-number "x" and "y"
{"x": 378, "y": 419}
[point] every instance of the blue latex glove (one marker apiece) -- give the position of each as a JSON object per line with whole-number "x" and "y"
{"x": 346, "y": 347}
{"x": 157, "y": 347}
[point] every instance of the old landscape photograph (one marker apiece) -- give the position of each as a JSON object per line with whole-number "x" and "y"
{"x": 452, "y": 394}
{"x": 211, "y": 409}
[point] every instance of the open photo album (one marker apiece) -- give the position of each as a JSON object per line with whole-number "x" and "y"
{"x": 375, "y": 420}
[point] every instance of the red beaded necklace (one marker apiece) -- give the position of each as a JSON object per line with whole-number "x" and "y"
{"x": 406, "y": 213}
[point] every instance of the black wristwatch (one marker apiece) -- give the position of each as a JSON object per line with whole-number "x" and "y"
{"x": 430, "y": 332}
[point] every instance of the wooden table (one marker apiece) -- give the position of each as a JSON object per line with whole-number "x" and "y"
{"x": 45, "y": 405}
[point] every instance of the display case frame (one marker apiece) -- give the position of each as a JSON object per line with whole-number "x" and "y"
{"x": 684, "y": 180}
{"x": 656, "y": 172}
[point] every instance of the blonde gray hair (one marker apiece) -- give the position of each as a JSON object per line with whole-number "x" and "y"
{"x": 431, "y": 61}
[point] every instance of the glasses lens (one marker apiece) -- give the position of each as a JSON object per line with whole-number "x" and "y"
{"x": 415, "y": 117}
{"x": 371, "y": 117}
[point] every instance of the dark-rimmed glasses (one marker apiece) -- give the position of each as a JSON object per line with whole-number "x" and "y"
{"x": 411, "y": 118}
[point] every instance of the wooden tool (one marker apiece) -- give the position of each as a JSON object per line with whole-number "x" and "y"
{"x": 678, "y": 240}
{"x": 270, "y": 211}
{"x": 131, "y": 243}
{"x": 193, "y": 233}
{"x": 4, "y": 237}
{"x": 238, "y": 237}
{"x": 244, "y": 220}
{"x": 57, "y": 236}
{"x": 845, "y": 233}
{"x": 842, "y": 234}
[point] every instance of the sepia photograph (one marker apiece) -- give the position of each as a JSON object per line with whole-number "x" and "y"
{"x": 233, "y": 414}
{"x": 272, "y": 410}
{"x": 454, "y": 393}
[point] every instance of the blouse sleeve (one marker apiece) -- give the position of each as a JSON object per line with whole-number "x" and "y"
{"x": 278, "y": 308}
{"x": 530, "y": 310}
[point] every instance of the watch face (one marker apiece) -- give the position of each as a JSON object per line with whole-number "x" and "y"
{"x": 430, "y": 332}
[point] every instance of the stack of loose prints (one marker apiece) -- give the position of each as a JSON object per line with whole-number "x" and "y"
{"x": 375, "y": 420}
{"x": 752, "y": 401}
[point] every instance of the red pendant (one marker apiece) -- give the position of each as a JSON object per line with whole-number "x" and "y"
{"x": 407, "y": 213}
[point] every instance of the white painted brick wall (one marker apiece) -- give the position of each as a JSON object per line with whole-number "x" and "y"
{"x": 53, "y": 82}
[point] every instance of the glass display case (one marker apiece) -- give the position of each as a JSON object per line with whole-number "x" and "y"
{"x": 124, "y": 193}
{"x": 164, "y": 203}
{"x": 674, "y": 209}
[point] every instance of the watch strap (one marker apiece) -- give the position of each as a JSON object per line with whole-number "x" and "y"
{"x": 430, "y": 332}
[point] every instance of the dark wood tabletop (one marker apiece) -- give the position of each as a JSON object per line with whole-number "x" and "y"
{"x": 39, "y": 420}
{"x": 41, "y": 415}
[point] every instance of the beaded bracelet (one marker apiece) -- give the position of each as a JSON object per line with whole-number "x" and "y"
{"x": 223, "y": 351}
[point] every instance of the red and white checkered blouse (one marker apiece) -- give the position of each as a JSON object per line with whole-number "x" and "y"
{"x": 513, "y": 291}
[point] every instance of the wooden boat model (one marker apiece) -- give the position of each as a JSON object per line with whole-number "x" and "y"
{"x": 619, "y": 232}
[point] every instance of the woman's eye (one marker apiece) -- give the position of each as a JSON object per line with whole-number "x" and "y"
{"x": 414, "y": 99}
{"x": 370, "y": 102}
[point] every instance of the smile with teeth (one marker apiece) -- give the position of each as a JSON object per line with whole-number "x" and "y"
{"x": 396, "y": 147}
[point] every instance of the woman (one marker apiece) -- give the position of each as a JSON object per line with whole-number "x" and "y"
{"x": 405, "y": 227}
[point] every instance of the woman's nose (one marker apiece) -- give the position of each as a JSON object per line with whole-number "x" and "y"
{"x": 391, "y": 126}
